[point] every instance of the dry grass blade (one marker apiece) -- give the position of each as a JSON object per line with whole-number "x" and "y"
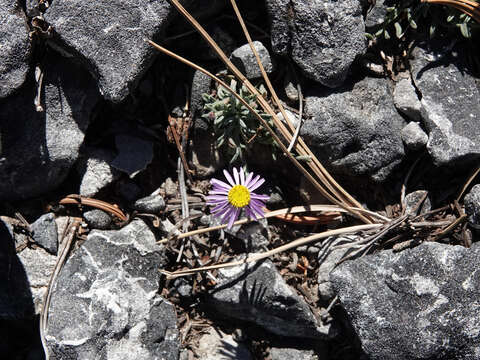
{"x": 324, "y": 192}
{"x": 274, "y": 213}
{"x": 330, "y": 189}
{"x": 336, "y": 190}
{"x": 266, "y": 254}
{"x": 467, "y": 184}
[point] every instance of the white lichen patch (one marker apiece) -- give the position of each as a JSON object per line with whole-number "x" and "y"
{"x": 424, "y": 286}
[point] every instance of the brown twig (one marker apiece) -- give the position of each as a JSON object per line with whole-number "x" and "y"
{"x": 99, "y": 204}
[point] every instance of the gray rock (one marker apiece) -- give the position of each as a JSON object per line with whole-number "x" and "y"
{"x": 450, "y": 106}
{"x": 15, "y": 294}
{"x": 472, "y": 206}
{"x": 411, "y": 203}
{"x": 356, "y": 131}
{"x": 39, "y": 148}
{"x": 414, "y": 137}
{"x": 417, "y": 304}
{"x": 292, "y": 354}
{"x": 245, "y": 60}
{"x": 215, "y": 345}
{"x": 322, "y": 37}
{"x": 45, "y": 232}
{"x": 406, "y": 99}
{"x": 105, "y": 303}
{"x": 109, "y": 37}
{"x": 376, "y": 15}
{"x": 15, "y": 46}
{"x": 134, "y": 154}
{"x": 39, "y": 266}
{"x": 97, "y": 219}
{"x": 95, "y": 171}
{"x": 327, "y": 260}
{"x": 257, "y": 293}
{"x": 150, "y": 204}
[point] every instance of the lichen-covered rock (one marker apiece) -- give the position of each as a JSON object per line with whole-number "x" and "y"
{"x": 109, "y": 36}
{"x": 15, "y": 47}
{"x": 406, "y": 99}
{"x": 245, "y": 60}
{"x": 95, "y": 170}
{"x": 450, "y": 105}
{"x": 421, "y": 303}
{"x": 256, "y": 292}
{"x": 355, "y": 130}
{"x": 322, "y": 37}
{"x": 39, "y": 148}
{"x": 414, "y": 137}
{"x": 472, "y": 206}
{"x": 105, "y": 302}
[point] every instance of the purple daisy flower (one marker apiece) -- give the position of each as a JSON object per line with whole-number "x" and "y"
{"x": 230, "y": 198}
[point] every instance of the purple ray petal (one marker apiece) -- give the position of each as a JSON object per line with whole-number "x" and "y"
{"x": 233, "y": 217}
{"x": 229, "y": 177}
{"x": 221, "y": 212}
{"x": 220, "y": 183}
{"x": 216, "y": 197}
{"x": 252, "y": 181}
{"x": 247, "y": 180}
{"x": 256, "y": 185}
{"x": 259, "y": 196}
{"x": 250, "y": 213}
{"x": 257, "y": 207}
{"x": 213, "y": 192}
{"x": 229, "y": 212}
{"x": 235, "y": 175}
{"x": 242, "y": 176}
{"x": 219, "y": 206}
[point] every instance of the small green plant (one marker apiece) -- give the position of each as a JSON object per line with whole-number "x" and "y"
{"x": 405, "y": 15}
{"x": 236, "y": 129}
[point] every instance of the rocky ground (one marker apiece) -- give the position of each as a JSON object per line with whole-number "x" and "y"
{"x": 93, "y": 121}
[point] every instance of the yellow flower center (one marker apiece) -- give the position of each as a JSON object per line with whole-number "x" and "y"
{"x": 239, "y": 196}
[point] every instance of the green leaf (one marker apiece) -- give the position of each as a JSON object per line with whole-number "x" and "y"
{"x": 398, "y": 30}
{"x": 386, "y": 35}
{"x": 370, "y": 36}
{"x": 450, "y": 18}
{"x": 432, "y": 30}
{"x": 379, "y": 32}
{"x": 413, "y": 24}
{"x": 465, "y": 30}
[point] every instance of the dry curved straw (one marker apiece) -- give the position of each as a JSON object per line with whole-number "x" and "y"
{"x": 324, "y": 183}
{"x": 471, "y": 8}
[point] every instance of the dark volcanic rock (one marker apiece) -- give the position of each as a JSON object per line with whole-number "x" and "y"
{"x": 322, "y": 37}
{"x": 356, "y": 131}
{"x": 105, "y": 303}
{"x": 421, "y": 303}
{"x": 45, "y": 232}
{"x": 15, "y": 47}
{"x": 38, "y": 148}
{"x": 450, "y": 105}
{"x": 109, "y": 37}
{"x": 257, "y": 292}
